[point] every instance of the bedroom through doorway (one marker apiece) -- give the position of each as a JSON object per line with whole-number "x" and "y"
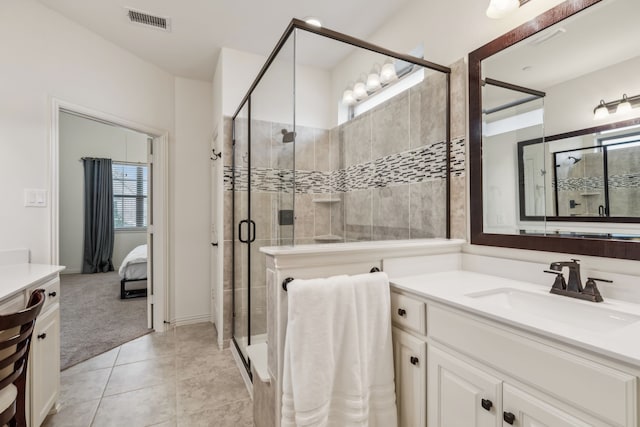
{"x": 105, "y": 208}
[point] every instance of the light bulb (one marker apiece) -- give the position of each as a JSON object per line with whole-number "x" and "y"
{"x": 624, "y": 106}
{"x": 601, "y": 111}
{"x": 500, "y": 8}
{"x": 348, "y": 98}
{"x": 388, "y": 73}
{"x": 359, "y": 91}
{"x": 373, "y": 81}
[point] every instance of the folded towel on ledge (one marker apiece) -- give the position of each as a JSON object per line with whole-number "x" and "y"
{"x": 338, "y": 357}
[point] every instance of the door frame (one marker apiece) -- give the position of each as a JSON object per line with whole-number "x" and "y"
{"x": 160, "y": 199}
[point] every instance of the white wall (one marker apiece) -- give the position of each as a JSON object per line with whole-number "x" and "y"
{"x": 273, "y": 98}
{"x": 80, "y": 137}
{"x": 44, "y": 55}
{"x": 189, "y": 203}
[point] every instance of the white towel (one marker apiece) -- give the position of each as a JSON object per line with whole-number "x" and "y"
{"x": 338, "y": 361}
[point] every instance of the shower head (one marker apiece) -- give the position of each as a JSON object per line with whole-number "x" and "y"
{"x": 288, "y": 136}
{"x": 575, "y": 159}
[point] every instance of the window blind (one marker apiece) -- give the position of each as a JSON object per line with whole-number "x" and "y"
{"x": 130, "y": 187}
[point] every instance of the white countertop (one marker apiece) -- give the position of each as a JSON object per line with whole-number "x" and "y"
{"x": 17, "y": 277}
{"x": 452, "y": 288}
{"x": 371, "y": 246}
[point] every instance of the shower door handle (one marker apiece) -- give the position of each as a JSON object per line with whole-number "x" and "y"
{"x": 240, "y": 231}
{"x": 252, "y": 233}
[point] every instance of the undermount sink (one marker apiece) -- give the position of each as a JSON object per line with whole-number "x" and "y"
{"x": 580, "y": 314}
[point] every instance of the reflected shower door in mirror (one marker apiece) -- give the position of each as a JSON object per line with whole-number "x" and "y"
{"x": 511, "y": 114}
{"x": 596, "y": 175}
{"x": 568, "y": 183}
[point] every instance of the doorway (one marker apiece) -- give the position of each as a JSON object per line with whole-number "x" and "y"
{"x": 138, "y": 176}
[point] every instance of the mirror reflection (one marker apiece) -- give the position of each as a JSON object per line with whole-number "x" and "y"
{"x": 561, "y": 128}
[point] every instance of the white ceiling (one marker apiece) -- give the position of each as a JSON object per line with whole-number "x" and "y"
{"x": 201, "y": 27}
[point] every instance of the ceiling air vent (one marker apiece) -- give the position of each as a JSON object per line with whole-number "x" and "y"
{"x": 142, "y": 18}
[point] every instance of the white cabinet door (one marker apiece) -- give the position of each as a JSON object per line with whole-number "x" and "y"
{"x": 44, "y": 364}
{"x": 461, "y": 395}
{"x": 523, "y": 410}
{"x": 409, "y": 356}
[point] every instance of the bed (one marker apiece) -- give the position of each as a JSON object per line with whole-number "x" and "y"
{"x": 133, "y": 269}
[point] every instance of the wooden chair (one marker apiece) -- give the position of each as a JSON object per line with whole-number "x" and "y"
{"x": 15, "y": 341}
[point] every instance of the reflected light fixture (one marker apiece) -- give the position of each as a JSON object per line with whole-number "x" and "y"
{"x": 624, "y": 106}
{"x": 312, "y": 20}
{"x": 388, "y": 73}
{"x": 360, "y": 90}
{"x": 499, "y": 8}
{"x": 601, "y": 111}
{"x": 373, "y": 80}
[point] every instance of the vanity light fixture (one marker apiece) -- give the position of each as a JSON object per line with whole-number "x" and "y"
{"x": 360, "y": 90}
{"x": 373, "y": 79}
{"x": 620, "y": 106}
{"x": 348, "y": 98}
{"x": 388, "y": 73}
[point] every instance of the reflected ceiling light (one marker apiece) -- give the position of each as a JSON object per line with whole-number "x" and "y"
{"x": 360, "y": 90}
{"x": 601, "y": 111}
{"x": 373, "y": 80}
{"x": 624, "y": 106}
{"x": 348, "y": 98}
{"x": 312, "y": 20}
{"x": 388, "y": 73}
{"x": 500, "y": 8}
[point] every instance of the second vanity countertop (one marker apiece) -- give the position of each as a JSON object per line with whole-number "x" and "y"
{"x": 461, "y": 289}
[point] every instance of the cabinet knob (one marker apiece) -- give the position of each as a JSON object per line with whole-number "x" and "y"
{"x": 486, "y": 404}
{"x": 402, "y": 312}
{"x": 508, "y": 417}
{"x": 53, "y": 294}
{"x": 42, "y": 336}
{"x": 414, "y": 360}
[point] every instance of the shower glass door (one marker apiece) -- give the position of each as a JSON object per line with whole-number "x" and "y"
{"x": 241, "y": 230}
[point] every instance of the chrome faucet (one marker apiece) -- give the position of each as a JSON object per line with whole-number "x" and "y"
{"x": 574, "y": 288}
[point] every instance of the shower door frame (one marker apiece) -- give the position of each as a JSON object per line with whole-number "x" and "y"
{"x": 297, "y": 24}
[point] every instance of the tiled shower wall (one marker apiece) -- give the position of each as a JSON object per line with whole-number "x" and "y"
{"x": 380, "y": 176}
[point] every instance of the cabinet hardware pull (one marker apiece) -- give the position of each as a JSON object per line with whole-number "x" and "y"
{"x": 508, "y": 417}
{"x": 402, "y": 312}
{"x": 414, "y": 360}
{"x": 486, "y": 404}
{"x": 52, "y": 294}
{"x": 42, "y": 336}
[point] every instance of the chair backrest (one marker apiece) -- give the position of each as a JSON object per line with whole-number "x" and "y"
{"x": 15, "y": 339}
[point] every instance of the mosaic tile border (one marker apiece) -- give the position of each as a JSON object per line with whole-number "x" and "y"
{"x": 593, "y": 183}
{"x": 409, "y": 167}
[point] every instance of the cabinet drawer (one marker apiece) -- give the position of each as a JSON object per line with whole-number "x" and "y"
{"x": 598, "y": 390}
{"x": 408, "y": 313}
{"x": 51, "y": 292}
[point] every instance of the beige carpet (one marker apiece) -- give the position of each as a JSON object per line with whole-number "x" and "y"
{"x": 93, "y": 318}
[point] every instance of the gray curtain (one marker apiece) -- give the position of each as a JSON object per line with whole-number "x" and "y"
{"x": 98, "y": 216}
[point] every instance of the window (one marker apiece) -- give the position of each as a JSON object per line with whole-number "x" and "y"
{"x": 129, "y": 195}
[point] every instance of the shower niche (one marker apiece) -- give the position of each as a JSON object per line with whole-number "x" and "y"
{"x": 336, "y": 141}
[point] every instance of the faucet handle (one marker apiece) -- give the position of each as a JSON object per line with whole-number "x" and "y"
{"x": 559, "y": 283}
{"x": 590, "y": 288}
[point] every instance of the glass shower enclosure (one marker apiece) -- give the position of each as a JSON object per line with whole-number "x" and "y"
{"x": 337, "y": 140}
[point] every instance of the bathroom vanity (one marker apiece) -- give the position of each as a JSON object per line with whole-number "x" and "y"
{"x": 18, "y": 279}
{"x": 476, "y": 349}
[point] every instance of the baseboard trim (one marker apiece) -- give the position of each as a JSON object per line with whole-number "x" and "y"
{"x": 71, "y": 271}
{"x": 190, "y": 320}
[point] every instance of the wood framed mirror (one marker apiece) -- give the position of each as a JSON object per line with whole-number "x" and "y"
{"x": 547, "y": 78}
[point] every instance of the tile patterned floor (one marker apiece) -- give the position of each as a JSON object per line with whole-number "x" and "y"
{"x": 172, "y": 379}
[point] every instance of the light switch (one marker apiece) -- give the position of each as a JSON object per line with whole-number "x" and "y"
{"x": 35, "y": 198}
